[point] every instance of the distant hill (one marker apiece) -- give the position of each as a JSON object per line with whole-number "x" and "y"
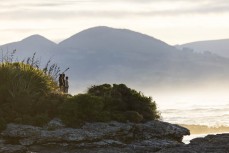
{"x": 105, "y": 39}
{"x": 103, "y": 54}
{"x": 42, "y": 46}
{"x": 219, "y": 47}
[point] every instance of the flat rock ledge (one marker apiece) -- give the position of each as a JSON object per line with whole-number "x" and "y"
{"x": 112, "y": 137}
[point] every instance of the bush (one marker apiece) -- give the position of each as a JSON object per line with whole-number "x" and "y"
{"x": 50, "y": 104}
{"x": 37, "y": 120}
{"x": 119, "y": 116}
{"x": 2, "y": 124}
{"x": 105, "y": 103}
{"x": 133, "y": 116}
{"x": 82, "y": 108}
{"x": 120, "y": 98}
{"x": 101, "y": 90}
{"x": 40, "y": 119}
{"x": 104, "y": 116}
{"x": 130, "y": 116}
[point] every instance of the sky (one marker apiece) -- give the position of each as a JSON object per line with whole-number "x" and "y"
{"x": 172, "y": 21}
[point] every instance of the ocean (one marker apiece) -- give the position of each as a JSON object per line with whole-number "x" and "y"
{"x": 209, "y": 115}
{"x": 200, "y": 117}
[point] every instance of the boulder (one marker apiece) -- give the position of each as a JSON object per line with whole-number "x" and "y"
{"x": 163, "y": 130}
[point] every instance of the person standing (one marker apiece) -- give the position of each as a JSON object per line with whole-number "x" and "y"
{"x": 61, "y": 82}
{"x": 66, "y": 85}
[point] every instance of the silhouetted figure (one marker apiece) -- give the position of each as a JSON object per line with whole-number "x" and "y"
{"x": 66, "y": 85}
{"x": 61, "y": 84}
{"x": 63, "y": 81}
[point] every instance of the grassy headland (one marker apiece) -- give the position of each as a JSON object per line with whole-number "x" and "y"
{"x": 29, "y": 95}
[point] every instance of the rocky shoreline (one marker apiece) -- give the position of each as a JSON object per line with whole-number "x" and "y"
{"x": 112, "y": 137}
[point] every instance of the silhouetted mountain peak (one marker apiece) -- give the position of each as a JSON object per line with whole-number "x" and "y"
{"x": 100, "y": 31}
{"x": 111, "y": 39}
{"x": 37, "y": 39}
{"x": 26, "y": 47}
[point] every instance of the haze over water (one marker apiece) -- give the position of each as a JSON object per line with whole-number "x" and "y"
{"x": 210, "y": 108}
{"x": 198, "y": 105}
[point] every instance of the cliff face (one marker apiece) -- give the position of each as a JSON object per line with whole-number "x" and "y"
{"x": 109, "y": 137}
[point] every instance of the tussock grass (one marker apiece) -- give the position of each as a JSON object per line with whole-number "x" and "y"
{"x": 28, "y": 94}
{"x": 23, "y": 79}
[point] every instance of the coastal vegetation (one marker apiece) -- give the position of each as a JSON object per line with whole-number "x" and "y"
{"x": 30, "y": 95}
{"x": 109, "y": 102}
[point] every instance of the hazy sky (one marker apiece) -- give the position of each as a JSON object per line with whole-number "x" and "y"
{"x": 173, "y": 21}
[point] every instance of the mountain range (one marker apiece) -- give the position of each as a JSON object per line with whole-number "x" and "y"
{"x": 107, "y": 55}
{"x": 219, "y": 47}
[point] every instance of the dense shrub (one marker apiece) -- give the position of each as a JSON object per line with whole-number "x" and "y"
{"x": 121, "y": 98}
{"x": 119, "y": 116}
{"x": 2, "y": 123}
{"x": 82, "y": 108}
{"x": 133, "y": 116}
{"x": 105, "y": 103}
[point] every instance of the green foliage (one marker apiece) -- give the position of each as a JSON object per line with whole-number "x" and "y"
{"x": 82, "y": 108}
{"x": 22, "y": 79}
{"x": 33, "y": 112}
{"x": 27, "y": 94}
{"x": 119, "y": 116}
{"x": 2, "y": 123}
{"x": 133, "y": 116}
{"x": 38, "y": 120}
{"x": 120, "y": 98}
{"x": 105, "y": 103}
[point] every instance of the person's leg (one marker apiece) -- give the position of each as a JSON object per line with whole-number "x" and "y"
{"x": 67, "y": 90}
